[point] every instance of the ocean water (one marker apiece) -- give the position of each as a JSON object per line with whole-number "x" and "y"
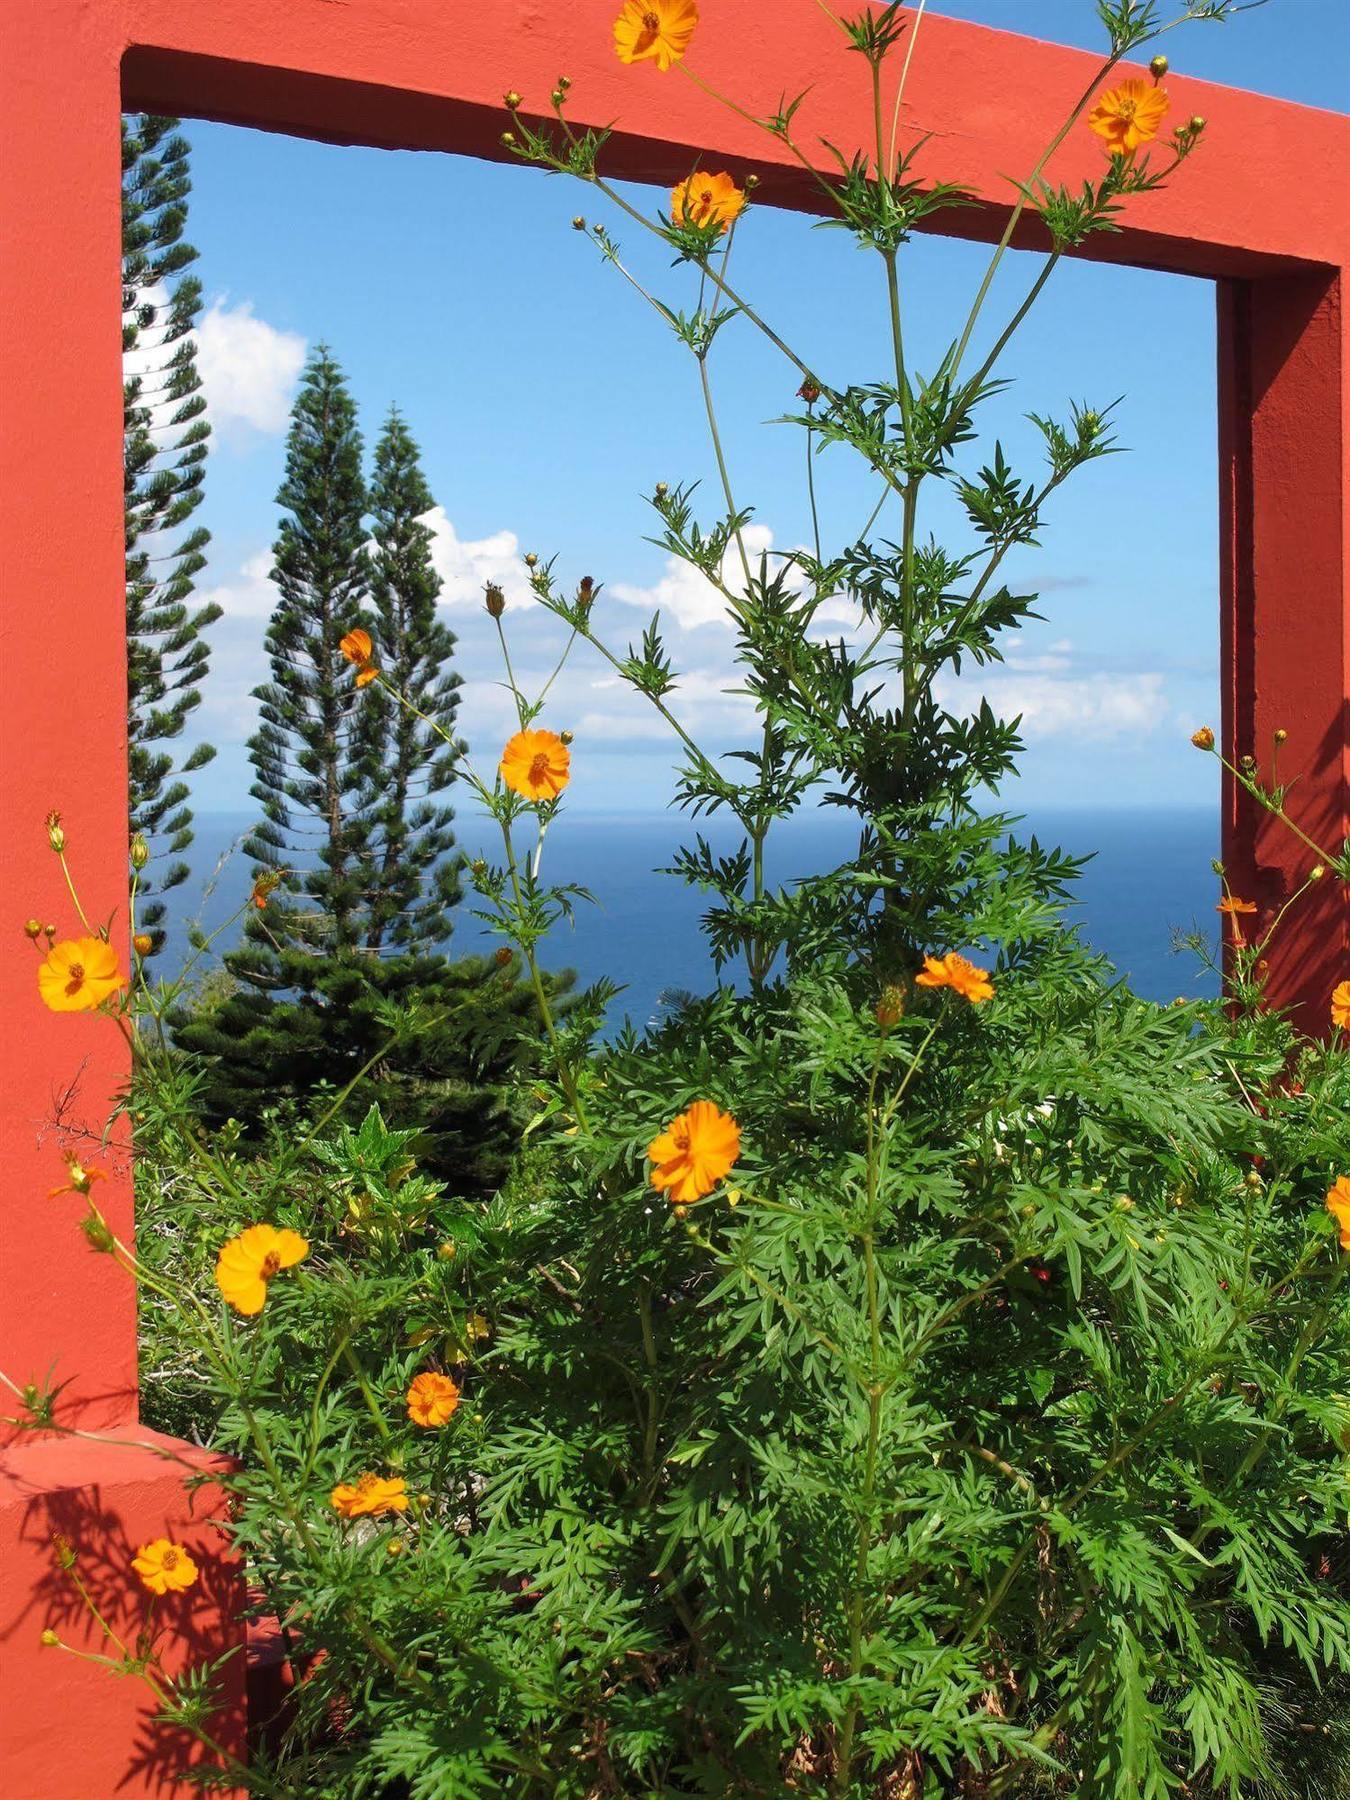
{"x": 1149, "y": 878}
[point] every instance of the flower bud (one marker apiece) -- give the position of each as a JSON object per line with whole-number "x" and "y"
{"x": 809, "y": 391}
{"x": 96, "y": 1231}
{"x": 494, "y": 599}
{"x": 395, "y": 1547}
{"x": 32, "y": 928}
{"x": 890, "y": 1008}
{"x": 567, "y": 737}
{"x": 557, "y": 97}
{"x": 142, "y": 943}
{"x": 478, "y": 868}
{"x": 502, "y": 957}
{"x": 49, "y": 1639}
{"x": 1253, "y": 1180}
{"x": 751, "y": 183}
{"x": 1196, "y": 123}
{"x": 579, "y": 223}
{"x": 1247, "y": 762}
{"x": 564, "y": 82}
{"x": 139, "y": 852}
{"x": 511, "y": 100}
{"x": 733, "y": 1196}
{"x": 509, "y": 139}
{"x": 1281, "y": 736}
{"x": 1317, "y": 872}
{"x": 662, "y": 489}
{"x": 1203, "y": 739}
{"x": 447, "y": 1251}
{"x": 55, "y": 836}
{"x": 531, "y": 561}
{"x": 49, "y": 932}
{"x": 1158, "y": 67}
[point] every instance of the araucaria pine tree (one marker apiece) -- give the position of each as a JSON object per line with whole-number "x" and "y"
{"x": 417, "y": 880}
{"x": 312, "y": 750}
{"x": 165, "y": 436}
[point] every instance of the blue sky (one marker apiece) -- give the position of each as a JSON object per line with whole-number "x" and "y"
{"x": 549, "y": 400}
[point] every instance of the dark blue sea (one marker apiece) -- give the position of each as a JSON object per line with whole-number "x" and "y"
{"x": 1149, "y": 878}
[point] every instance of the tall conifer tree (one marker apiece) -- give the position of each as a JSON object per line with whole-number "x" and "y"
{"x": 165, "y": 436}
{"x": 313, "y": 750}
{"x": 417, "y": 877}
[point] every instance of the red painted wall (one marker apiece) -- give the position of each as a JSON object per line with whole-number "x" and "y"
{"x": 1265, "y": 207}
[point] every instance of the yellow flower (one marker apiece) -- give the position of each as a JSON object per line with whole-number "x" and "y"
{"x": 248, "y": 1262}
{"x": 164, "y": 1567}
{"x": 79, "y": 1179}
{"x": 1340, "y": 1005}
{"x": 1338, "y": 1205}
{"x": 1203, "y": 739}
{"x": 953, "y": 971}
{"x": 654, "y": 31}
{"x": 79, "y": 974}
{"x": 694, "y": 1153}
{"x": 357, "y": 648}
{"x": 432, "y": 1399}
{"x": 1129, "y": 115}
{"x": 369, "y": 1495}
{"x": 706, "y": 200}
{"x": 536, "y": 765}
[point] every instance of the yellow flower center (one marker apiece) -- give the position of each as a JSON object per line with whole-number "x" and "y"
{"x": 539, "y": 768}
{"x": 1127, "y": 109}
{"x": 76, "y": 981}
{"x": 270, "y": 1264}
{"x": 651, "y": 22}
{"x": 169, "y": 1560}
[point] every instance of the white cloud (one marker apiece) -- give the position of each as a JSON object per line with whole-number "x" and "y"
{"x": 248, "y": 367}
{"x": 466, "y": 565}
{"x": 685, "y": 594}
{"x": 1085, "y": 707}
{"x": 251, "y": 595}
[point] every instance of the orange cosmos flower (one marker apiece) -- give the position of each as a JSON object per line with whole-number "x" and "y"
{"x": 1231, "y": 905}
{"x": 79, "y": 1179}
{"x": 694, "y": 1153}
{"x": 164, "y": 1567}
{"x": 953, "y": 971}
{"x": 654, "y": 31}
{"x": 536, "y": 765}
{"x": 369, "y": 1495}
{"x": 358, "y": 649}
{"x": 1338, "y": 1205}
{"x": 1129, "y": 115}
{"x": 706, "y": 200}
{"x": 1340, "y": 1005}
{"x": 432, "y": 1399}
{"x": 79, "y": 974}
{"x": 248, "y": 1262}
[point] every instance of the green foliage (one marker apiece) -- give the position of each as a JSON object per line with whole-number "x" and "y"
{"x": 165, "y": 435}
{"x": 443, "y": 1043}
